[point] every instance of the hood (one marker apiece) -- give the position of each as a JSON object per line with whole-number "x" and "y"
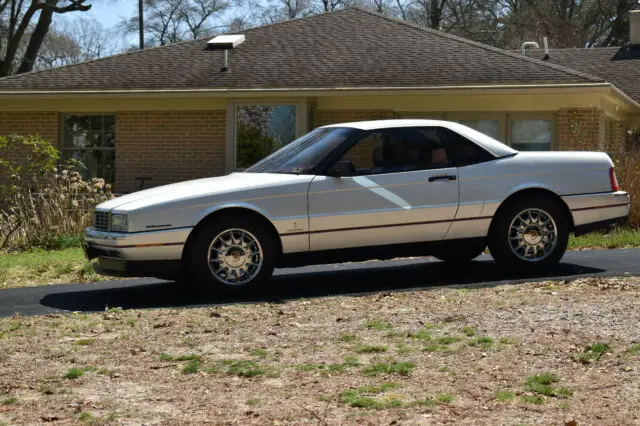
{"x": 229, "y": 185}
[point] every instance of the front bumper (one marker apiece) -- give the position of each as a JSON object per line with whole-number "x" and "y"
{"x": 139, "y": 254}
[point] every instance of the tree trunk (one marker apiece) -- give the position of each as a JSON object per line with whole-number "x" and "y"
{"x": 435, "y": 14}
{"x": 14, "y": 42}
{"x": 39, "y": 33}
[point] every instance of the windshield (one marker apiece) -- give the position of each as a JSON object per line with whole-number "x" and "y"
{"x": 305, "y": 153}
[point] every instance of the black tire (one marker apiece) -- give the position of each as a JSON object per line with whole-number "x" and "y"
{"x": 500, "y": 233}
{"x": 197, "y": 260}
{"x": 460, "y": 252}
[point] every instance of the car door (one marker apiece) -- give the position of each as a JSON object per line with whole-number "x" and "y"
{"x": 401, "y": 188}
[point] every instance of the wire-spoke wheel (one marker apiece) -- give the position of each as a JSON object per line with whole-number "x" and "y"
{"x": 232, "y": 254}
{"x": 533, "y": 235}
{"x": 235, "y": 257}
{"x": 530, "y": 232}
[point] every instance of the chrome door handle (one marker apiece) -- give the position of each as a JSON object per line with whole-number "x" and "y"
{"x": 443, "y": 177}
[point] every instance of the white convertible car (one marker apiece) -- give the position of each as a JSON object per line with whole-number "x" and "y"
{"x": 356, "y": 191}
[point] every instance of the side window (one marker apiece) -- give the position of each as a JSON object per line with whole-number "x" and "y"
{"x": 463, "y": 151}
{"x": 397, "y": 150}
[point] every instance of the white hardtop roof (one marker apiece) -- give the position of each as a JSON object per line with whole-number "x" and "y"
{"x": 495, "y": 147}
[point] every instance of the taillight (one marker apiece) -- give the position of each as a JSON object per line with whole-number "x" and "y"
{"x": 614, "y": 181}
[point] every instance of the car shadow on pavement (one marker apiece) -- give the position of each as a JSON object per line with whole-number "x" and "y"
{"x": 306, "y": 283}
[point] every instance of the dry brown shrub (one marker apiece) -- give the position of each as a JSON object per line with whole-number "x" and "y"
{"x": 51, "y": 214}
{"x": 628, "y": 173}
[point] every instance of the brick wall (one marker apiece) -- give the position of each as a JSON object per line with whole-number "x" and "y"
{"x": 322, "y": 118}
{"x": 581, "y": 129}
{"x": 168, "y": 146}
{"x": 361, "y": 154}
{"x": 45, "y": 124}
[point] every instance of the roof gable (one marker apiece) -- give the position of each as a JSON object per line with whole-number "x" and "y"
{"x": 347, "y": 48}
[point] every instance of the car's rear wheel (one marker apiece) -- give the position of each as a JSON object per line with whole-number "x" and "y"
{"x": 232, "y": 255}
{"x": 461, "y": 252}
{"x": 529, "y": 233}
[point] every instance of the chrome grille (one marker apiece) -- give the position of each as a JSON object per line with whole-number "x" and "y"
{"x": 101, "y": 221}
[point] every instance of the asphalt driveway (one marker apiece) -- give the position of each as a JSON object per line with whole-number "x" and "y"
{"x": 312, "y": 281}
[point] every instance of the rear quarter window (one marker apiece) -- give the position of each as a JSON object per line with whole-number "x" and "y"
{"x": 463, "y": 151}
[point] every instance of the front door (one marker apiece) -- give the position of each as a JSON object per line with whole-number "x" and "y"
{"x": 401, "y": 188}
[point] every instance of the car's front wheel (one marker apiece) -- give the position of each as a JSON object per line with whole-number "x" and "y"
{"x": 231, "y": 255}
{"x": 529, "y": 233}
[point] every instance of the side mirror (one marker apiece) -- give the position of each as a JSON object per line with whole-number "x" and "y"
{"x": 342, "y": 168}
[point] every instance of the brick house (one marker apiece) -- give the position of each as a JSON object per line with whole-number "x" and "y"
{"x": 173, "y": 113}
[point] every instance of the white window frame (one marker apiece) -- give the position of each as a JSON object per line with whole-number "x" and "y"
{"x": 232, "y": 113}
{"x": 553, "y": 146}
{"x": 500, "y": 117}
{"x": 64, "y": 149}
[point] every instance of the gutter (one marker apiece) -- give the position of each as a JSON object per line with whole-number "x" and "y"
{"x": 310, "y": 91}
{"x": 625, "y": 97}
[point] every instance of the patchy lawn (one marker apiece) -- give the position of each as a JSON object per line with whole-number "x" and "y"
{"x": 545, "y": 353}
{"x": 45, "y": 267}
{"x": 617, "y": 238}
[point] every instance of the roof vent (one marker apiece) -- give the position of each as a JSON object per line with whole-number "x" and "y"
{"x": 634, "y": 27}
{"x": 225, "y": 42}
{"x": 529, "y": 44}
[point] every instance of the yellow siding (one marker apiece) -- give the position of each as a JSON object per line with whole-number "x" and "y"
{"x": 112, "y": 104}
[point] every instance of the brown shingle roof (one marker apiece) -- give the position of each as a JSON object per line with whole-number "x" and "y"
{"x": 605, "y": 62}
{"x": 347, "y": 48}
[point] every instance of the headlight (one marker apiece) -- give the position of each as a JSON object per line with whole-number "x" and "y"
{"x": 119, "y": 223}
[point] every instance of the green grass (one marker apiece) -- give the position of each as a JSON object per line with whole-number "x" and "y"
{"x": 84, "y": 342}
{"x": 40, "y": 267}
{"x": 86, "y": 417}
{"x": 423, "y": 334}
{"x": 634, "y": 349}
{"x": 616, "y": 238}
{"x": 447, "y": 340}
{"x": 9, "y": 400}
{"x": 378, "y": 325}
{"x": 532, "y": 399}
{"x": 258, "y": 353}
{"x": 252, "y": 402}
{"x": 348, "y": 338}
{"x": 371, "y": 397}
{"x": 349, "y": 362}
{"x": 74, "y": 373}
{"x": 441, "y": 398}
{"x": 242, "y": 368}
{"x": 187, "y": 357}
{"x": 591, "y": 353}
{"x": 400, "y": 368}
{"x": 191, "y": 367}
{"x": 468, "y": 331}
{"x": 369, "y": 349}
{"x": 445, "y": 398}
{"x": 542, "y": 384}
{"x": 483, "y": 342}
{"x": 505, "y": 396}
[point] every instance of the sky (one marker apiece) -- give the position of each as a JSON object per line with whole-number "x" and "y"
{"x": 109, "y": 12}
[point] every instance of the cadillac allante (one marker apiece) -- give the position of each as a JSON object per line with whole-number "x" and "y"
{"x": 356, "y": 191}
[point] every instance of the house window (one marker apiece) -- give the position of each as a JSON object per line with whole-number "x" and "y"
{"x": 261, "y": 130}
{"x": 531, "y": 135}
{"x": 490, "y": 128}
{"x": 91, "y": 140}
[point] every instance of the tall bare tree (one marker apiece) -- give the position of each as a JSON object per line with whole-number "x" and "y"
{"x": 169, "y": 21}
{"x": 25, "y": 23}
